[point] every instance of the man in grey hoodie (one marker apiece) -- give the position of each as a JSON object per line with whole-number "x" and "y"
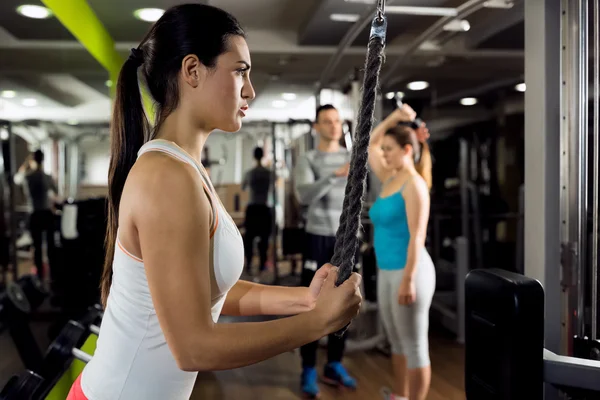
{"x": 320, "y": 176}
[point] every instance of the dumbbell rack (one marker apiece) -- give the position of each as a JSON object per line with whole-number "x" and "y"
{"x": 64, "y": 360}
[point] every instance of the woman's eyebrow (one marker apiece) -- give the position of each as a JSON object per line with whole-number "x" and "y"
{"x": 245, "y": 63}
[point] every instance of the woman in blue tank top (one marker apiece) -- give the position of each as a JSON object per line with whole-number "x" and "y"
{"x": 406, "y": 275}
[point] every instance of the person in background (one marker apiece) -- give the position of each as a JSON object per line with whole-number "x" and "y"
{"x": 406, "y": 277}
{"x": 258, "y": 218}
{"x": 38, "y": 187}
{"x": 320, "y": 176}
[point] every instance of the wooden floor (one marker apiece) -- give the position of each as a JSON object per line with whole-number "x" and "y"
{"x": 278, "y": 378}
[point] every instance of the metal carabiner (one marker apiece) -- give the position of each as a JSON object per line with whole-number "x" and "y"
{"x": 380, "y": 9}
{"x": 379, "y": 24}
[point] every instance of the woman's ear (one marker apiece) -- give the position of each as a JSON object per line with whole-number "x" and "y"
{"x": 192, "y": 70}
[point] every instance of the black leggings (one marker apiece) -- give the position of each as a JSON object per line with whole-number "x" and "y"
{"x": 41, "y": 222}
{"x": 257, "y": 224}
{"x": 317, "y": 252}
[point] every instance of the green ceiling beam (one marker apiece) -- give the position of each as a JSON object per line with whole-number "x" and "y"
{"x": 79, "y": 18}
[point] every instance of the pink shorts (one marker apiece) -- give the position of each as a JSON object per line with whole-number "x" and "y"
{"x": 76, "y": 393}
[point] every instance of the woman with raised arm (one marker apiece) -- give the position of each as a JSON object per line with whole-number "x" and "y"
{"x": 406, "y": 275}
{"x": 174, "y": 255}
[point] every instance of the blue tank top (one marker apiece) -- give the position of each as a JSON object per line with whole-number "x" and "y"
{"x": 391, "y": 233}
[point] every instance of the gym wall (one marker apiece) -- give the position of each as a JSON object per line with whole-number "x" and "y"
{"x": 94, "y": 161}
{"x": 93, "y": 167}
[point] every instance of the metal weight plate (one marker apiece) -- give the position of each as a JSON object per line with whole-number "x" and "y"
{"x": 17, "y": 298}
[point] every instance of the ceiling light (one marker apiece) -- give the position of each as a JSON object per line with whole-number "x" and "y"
{"x": 418, "y": 85}
{"x": 279, "y": 104}
{"x": 344, "y": 17}
{"x": 149, "y": 14}
{"x": 29, "y": 102}
{"x": 72, "y": 122}
{"x": 521, "y": 87}
{"x": 499, "y": 4}
{"x": 468, "y": 101}
{"x": 108, "y": 83}
{"x": 36, "y": 12}
{"x": 429, "y": 11}
{"x": 8, "y": 94}
{"x": 289, "y": 96}
{"x": 458, "y": 25}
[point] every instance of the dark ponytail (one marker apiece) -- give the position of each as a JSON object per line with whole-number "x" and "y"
{"x": 183, "y": 30}
{"x": 128, "y": 132}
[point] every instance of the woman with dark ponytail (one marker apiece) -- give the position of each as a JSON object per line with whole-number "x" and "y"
{"x": 406, "y": 277}
{"x": 174, "y": 256}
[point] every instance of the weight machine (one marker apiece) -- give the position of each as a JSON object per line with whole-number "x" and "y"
{"x": 448, "y": 300}
{"x": 459, "y": 247}
{"x": 536, "y": 337}
{"x": 283, "y": 159}
{"x": 8, "y": 245}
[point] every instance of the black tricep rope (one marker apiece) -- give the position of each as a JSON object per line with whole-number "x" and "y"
{"x": 346, "y": 238}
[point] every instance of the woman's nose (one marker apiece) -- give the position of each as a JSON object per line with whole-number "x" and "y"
{"x": 248, "y": 91}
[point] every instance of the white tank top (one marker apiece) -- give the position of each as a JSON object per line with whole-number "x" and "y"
{"x": 132, "y": 359}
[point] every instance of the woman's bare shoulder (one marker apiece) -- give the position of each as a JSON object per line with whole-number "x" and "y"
{"x": 418, "y": 186}
{"x": 159, "y": 182}
{"x": 156, "y": 170}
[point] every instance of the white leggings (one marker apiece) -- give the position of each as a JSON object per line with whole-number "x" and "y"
{"x": 407, "y": 327}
